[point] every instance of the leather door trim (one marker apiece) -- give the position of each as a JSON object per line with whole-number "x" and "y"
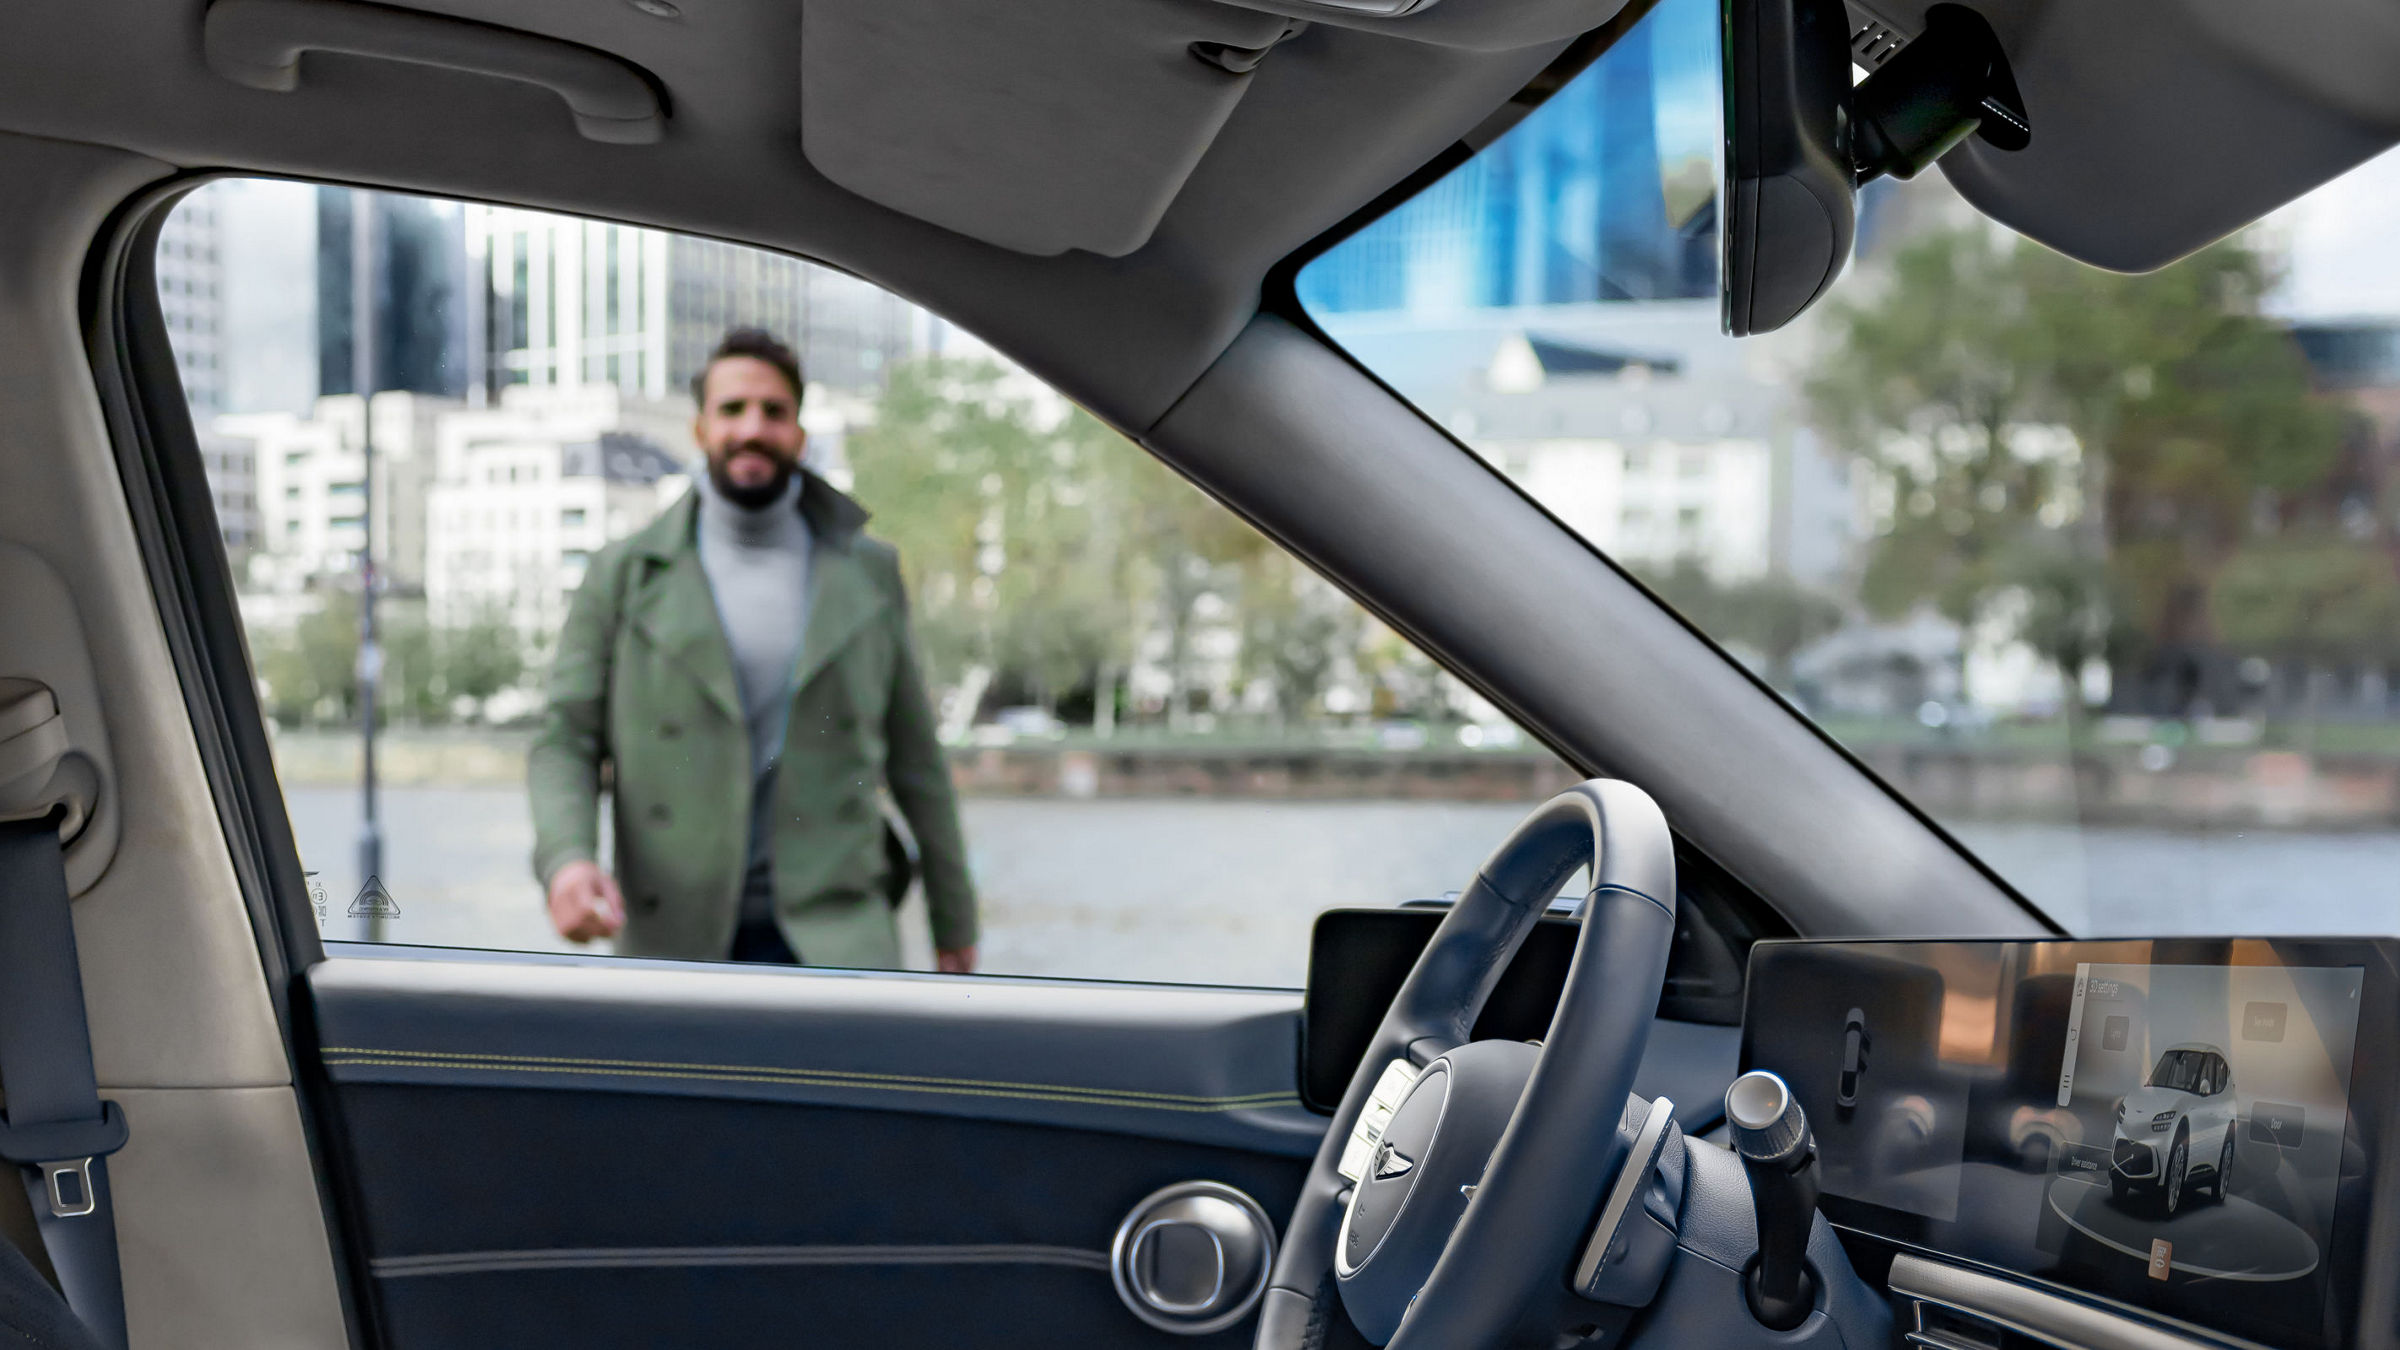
{"x": 605, "y": 1258}
{"x": 462, "y": 1061}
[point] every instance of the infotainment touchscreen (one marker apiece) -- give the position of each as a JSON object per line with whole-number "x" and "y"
{"x": 2188, "y": 1126}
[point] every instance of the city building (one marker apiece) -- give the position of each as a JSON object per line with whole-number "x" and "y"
{"x": 1640, "y": 425}
{"x": 233, "y": 489}
{"x": 427, "y": 307}
{"x": 526, "y": 490}
{"x": 1605, "y": 192}
{"x": 1553, "y": 302}
{"x": 191, "y": 296}
{"x": 310, "y": 479}
{"x": 587, "y": 302}
{"x": 267, "y": 250}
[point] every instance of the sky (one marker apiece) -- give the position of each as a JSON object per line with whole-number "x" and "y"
{"x": 2343, "y": 243}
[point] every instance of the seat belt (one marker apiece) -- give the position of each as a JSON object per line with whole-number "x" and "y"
{"x": 55, "y": 1127}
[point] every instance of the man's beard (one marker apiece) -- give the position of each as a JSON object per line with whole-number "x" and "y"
{"x": 755, "y": 498}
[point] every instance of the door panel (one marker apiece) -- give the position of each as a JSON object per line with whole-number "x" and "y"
{"x": 645, "y": 1153}
{"x": 637, "y": 1153}
{"x": 511, "y": 1217}
{"x": 1181, "y": 1062}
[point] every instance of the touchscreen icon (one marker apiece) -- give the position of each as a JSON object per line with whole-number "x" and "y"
{"x": 2114, "y": 1032}
{"x": 2262, "y": 1021}
{"x": 2278, "y": 1123}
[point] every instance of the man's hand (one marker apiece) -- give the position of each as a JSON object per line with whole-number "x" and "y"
{"x": 955, "y": 961}
{"x": 585, "y": 903}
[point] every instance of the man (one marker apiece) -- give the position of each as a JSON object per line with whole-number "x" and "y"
{"x": 744, "y": 665}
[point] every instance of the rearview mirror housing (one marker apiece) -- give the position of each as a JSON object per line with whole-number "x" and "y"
{"x": 1790, "y": 206}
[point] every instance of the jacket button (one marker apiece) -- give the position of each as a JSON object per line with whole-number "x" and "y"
{"x": 659, "y": 813}
{"x": 669, "y": 730}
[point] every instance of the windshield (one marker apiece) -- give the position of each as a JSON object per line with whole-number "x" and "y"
{"x": 2181, "y": 1070}
{"x": 2098, "y": 570}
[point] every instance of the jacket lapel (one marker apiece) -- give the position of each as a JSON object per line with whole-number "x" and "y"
{"x": 842, "y": 595}
{"x": 842, "y": 600}
{"x": 677, "y": 612}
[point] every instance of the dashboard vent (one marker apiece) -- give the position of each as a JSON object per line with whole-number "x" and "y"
{"x": 1940, "y": 1328}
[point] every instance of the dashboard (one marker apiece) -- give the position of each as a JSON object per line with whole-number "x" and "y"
{"x": 2192, "y": 1128}
{"x": 2191, "y": 1133}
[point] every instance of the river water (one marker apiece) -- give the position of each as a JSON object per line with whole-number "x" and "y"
{"x": 1224, "y": 890}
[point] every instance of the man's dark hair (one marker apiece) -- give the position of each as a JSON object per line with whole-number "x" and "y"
{"x": 759, "y": 345}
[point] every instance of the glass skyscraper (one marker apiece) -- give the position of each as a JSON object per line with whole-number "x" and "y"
{"x": 1606, "y": 192}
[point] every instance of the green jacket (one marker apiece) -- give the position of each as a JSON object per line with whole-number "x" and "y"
{"x": 643, "y": 682}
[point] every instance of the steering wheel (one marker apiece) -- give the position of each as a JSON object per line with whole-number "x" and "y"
{"x": 1472, "y": 1201}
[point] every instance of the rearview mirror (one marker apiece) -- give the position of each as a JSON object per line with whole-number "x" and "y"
{"x": 1799, "y": 138}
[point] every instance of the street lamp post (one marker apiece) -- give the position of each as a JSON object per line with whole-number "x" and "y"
{"x": 370, "y": 651}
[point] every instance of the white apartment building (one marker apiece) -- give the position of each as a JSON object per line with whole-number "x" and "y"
{"x": 310, "y": 478}
{"x": 526, "y": 491}
{"x": 1640, "y": 426}
{"x": 193, "y": 299}
{"x": 233, "y": 487}
{"x": 191, "y": 296}
{"x": 1648, "y": 466}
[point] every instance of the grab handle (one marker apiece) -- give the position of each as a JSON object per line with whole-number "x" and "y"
{"x": 259, "y": 43}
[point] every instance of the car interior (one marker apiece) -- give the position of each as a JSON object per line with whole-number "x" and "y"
{"x": 1714, "y": 1099}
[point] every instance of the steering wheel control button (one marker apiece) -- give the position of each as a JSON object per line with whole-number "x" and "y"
{"x": 1398, "y": 1077}
{"x": 1629, "y": 1249}
{"x": 1392, "y": 1171}
{"x": 1421, "y": 1176}
{"x": 1193, "y": 1258}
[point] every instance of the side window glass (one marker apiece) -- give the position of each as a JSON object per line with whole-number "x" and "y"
{"x": 702, "y": 602}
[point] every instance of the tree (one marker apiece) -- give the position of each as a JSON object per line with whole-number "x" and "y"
{"x": 1005, "y": 528}
{"x": 308, "y": 672}
{"x": 1182, "y": 547}
{"x": 2317, "y": 600}
{"x": 410, "y": 685}
{"x": 480, "y": 658}
{"x": 2097, "y": 444}
{"x": 1294, "y": 630}
{"x": 1931, "y": 383}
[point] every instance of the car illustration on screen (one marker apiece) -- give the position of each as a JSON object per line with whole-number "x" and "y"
{"x": 2176, "y": 1128}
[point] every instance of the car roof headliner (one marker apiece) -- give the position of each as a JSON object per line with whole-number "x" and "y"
{"x": 1334, "y": 117}
{"x": 2153, "y": 135}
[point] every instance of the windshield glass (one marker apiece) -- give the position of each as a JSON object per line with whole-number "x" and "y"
{"x": 2180, "y": 1070}
{"x": 2098, "y": 570}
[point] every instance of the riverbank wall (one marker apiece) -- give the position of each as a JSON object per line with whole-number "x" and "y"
{"x": 2207, "y": 788}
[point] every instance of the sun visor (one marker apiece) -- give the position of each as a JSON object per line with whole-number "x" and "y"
{"x": 1041, "y": 125}
{"x": 2164, "y": 127}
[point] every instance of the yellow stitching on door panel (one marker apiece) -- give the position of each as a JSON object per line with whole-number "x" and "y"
{"x": 347, "y": 1056}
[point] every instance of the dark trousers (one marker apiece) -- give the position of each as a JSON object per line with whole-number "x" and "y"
{"x": 763, "y": 943}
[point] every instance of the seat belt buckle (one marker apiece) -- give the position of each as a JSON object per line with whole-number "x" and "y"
{"x": 69, "y": 1182}
{"x": 63, "y": 1152}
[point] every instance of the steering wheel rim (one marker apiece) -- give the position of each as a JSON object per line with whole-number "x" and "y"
{"x": 1546, "y": 1176}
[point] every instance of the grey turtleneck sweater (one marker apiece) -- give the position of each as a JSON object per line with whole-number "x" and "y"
{"x": 757, "y": 567}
